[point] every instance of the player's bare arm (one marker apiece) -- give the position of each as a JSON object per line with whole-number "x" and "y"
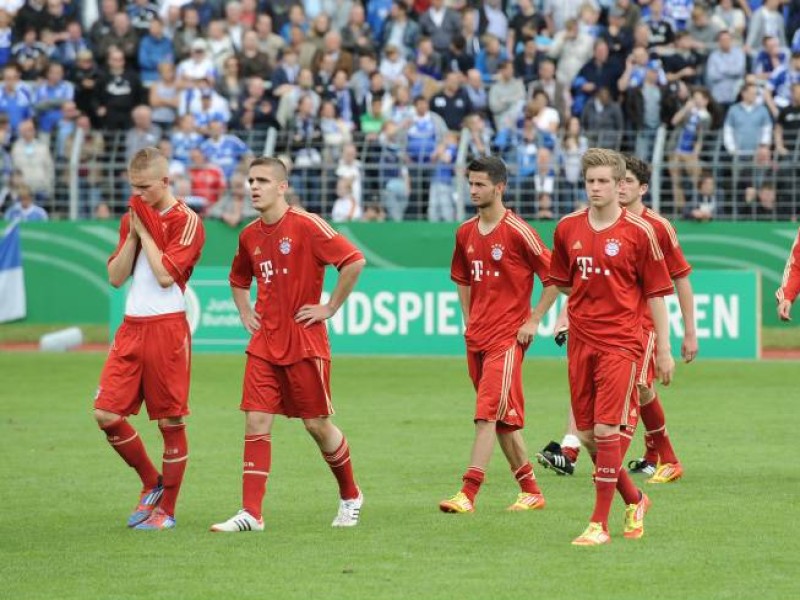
{"x": 564, "y": 290}
{"x": 249, "y": 317}
{"x": 121, "y": 266}
{"x": 689, "y": 346}
{"x": 464, "y": 292}
{"x": 151, "y": 251}
{"x": 317, "y": 313}
{"x": 527, "y": 332}
{"x": 784, "y": 310}
{"x": 665, "y": 364}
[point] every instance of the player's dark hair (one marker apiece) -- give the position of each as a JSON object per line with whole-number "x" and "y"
{"x": 277, "y": 165}
{"x": 640, "y": 169}
{"x": 493, "y": 166}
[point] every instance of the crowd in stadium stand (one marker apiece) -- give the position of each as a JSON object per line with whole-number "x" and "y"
{"x": 383, "y": 89}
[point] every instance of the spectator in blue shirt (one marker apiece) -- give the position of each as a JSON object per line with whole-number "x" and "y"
{"x": 50, "y": 97}
{"x": 223, "y": 149}
{"x": 15, "y": 99}
{"x": 24, "y": 209}
{"x": 154, "y": 48}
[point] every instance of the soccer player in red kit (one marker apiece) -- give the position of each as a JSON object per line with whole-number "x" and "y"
{"x": 288, "y": 357}
{"x": 660, "y": 460}
{"x": 790, "y": 286}
{"x": 660, "y": 452}
{"x": 607, "y": 259}
{"x": 496, "y": 257}
{"x": 159, "y": 243}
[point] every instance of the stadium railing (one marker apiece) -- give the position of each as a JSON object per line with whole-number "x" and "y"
{"x": 763, "y": 186}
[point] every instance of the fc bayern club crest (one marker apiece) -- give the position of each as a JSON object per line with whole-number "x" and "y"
{"x": 497, "y": 251}
{"x": 285, "y": 245}
{"x": 612, "y": 247}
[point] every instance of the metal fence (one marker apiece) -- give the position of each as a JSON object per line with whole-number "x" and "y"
{"x": 544, "y": 183}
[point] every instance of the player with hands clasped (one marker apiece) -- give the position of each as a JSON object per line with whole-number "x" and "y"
{"x": 288, "y": 358}
{"x": 160, "y": 242}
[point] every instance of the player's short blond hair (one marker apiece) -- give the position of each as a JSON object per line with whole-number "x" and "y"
{"x": 602, "y": 157}
{"x": 276, "y": 164}
{"x": 150, "y": 159}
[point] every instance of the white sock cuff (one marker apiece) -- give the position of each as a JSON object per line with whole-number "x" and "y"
{"x": 571, "y": 441}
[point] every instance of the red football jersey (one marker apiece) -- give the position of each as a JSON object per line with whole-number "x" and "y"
{"x": 610, "y": 272}
{"x": 288, "y": 260}
{"x": 673, "y": 256}
{"x": 498, "y": 267}
{"x": 184, "y": 234}
{"x": 790, "y": 286}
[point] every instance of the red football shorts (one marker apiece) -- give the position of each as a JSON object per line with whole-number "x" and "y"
{"x": 300, "y": 390}
{"x": 149, "y": 361}
{"x": 497, "y": 377}
{"x": 602, "y": 386}
{"x": 648, "y": 371}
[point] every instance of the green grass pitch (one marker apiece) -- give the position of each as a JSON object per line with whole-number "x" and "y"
{"x": 729, "y": 529}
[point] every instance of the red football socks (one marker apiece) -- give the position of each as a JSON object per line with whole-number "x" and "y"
{"x": 571, "y": 453}
{"x": 339, "y": 462}
{"x": 656, "y": 436}
{"x": 257, "y": 462}
{"x": 527, "y": 479}
{"x": 127, "y": 443}
{"x": 472, "y": 479}
{"x": 606, "y": 475}
{"x": 625, "y": 486}
{"x": 176, "y": 453}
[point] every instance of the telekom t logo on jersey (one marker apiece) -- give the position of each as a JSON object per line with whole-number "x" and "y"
{"x": 266, "y": 270}
{"x": 477, "y": 270}
{"x": 585, "y": 265}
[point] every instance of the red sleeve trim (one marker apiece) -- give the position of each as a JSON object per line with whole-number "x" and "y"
{"x": 460, "y": 281}
{"x": 681, "y": 274}
{"x": 238, "y": 284}
{"x": 350, "y": 258}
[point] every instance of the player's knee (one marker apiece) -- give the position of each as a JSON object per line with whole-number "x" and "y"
{"x": 646, "y": 395}
{"x": 104, "y": 417}
{"x": 317, "y": 428}
{"x": 170, "y": 422}
{"x": 587, "y": 439}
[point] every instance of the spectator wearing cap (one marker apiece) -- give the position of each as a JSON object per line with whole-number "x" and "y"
{"x": 16, "y": 100}
{"x": 440, "y": 23}
{"x": 141, "y": 13}
{"x": 199, "y": 64}
{"x": 224, "y": 149}
{"x": 725, "y": 70}
{"x": 571, "y": 49}
{"x": 118, "y": 91}
{"x": 400, "y": 31}
{"x": 154, "y": 49}
{"x": 210, "y": 107}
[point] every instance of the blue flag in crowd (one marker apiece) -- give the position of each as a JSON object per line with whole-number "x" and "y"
{"x": 12, "y": 282}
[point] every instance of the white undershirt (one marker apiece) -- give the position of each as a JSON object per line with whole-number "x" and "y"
{"x": 146, "y": 297}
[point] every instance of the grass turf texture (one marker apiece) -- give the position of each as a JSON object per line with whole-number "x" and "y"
{"x": 729, "y": 529}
